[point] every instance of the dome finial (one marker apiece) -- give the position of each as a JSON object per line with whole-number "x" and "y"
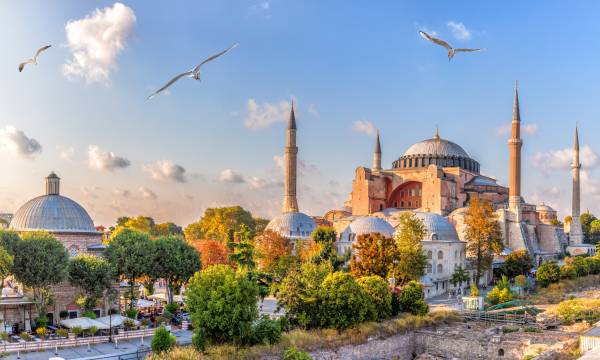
{"x": 436, "y": 136}
{"x": 52, "y": 184}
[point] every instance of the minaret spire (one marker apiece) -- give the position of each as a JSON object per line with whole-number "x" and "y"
{"x": 576, "y": 232}
{"x": 515, "y": 143}
{"x": 290, "y": 203}
{"x": 377, "y": 155}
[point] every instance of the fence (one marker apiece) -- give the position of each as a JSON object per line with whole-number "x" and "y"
{"x": 484, "y": 316}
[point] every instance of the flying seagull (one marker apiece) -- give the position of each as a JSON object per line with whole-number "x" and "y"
{"x": 451, "y": 50}
{"x": 34, "y": 60}
{"x": 194, "y": 73}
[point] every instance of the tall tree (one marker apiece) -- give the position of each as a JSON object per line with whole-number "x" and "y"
{"x": 411, "y": 262}
{"x": 193, "y": 232}
{"x": 484, "y": 239}
{"x": 166, "y": 229}
{"x": 140, "y": 223}
{"x": 594, "y": 232}
{"x": 6, "y": 264}
{"x": 586, "y": 220}
{"x": 129, "y": 253}
{"x": 459, "y": 276}
{"x": 212, "y": 252}
{"x": 519, "y": 262}
{"x": 9, "y": 240}
{"x": 374, "y": 254}
{"x": 95, "y": 276}
{"x": 270, "y": 247}
{"x": 220, "y": 223}
{"x": 325, "y": 236}
{"x": 40, "y": 262}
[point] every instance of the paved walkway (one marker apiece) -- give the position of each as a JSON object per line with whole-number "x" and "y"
{"x": 106, "y": 351}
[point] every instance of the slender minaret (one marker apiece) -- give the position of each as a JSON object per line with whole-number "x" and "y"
{"x": 52, "y": 184}
{"x": 290, "y": 204}
{"x": 377, "y": 155}
{"x": 515, "y": 143}
{"x": 576, "y": 233}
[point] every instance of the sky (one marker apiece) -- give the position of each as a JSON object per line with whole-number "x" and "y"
{"x": 350, "y": 67}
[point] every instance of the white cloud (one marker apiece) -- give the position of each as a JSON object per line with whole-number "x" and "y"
{"x": 90, "y": 191}
{"x": 260, "y": 8}
{"x": 66, "y": 153}
{"x": 312, "y": 109}
{"x": 105, "y": 160}
{"x": 364, "y": 126}
{"x": 256, "y": 183}
{"x": 166, "y": 170}
{"x": 304, "y": 167}
{"x": 259, "y": 116}
{"x": 96, "y": 40}
{"x": 529, "y": 129}
{"x": 18, "y": 143}
{"x": 230, "y": 176}
{"x": 459, "y": 30}
{"x": 562, "y": 159}
{"x": 589, "y": 186}
{"x": 122, "y": 193}
{"x": 147, "y": 193}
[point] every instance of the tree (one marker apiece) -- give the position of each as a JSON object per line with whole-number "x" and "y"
{"x": 222, "y": 304}
{"x": 242, "y": 249}
{"x": 374, "y": 254}
{"x": 343, "y": 301}
{"x": 212, "y": 252}
{"x": 547, "y": 273}
{"x": 499, "y": 296}
{"x": 557, "y": 223}
{"x": 166, "y": 229}
{"x": 586, "y": 220}
{"x": 140, "y": 223}
{"x": 484, "y": 239}
{"x": 459, "y": 276}
{"x": 270, "y": 247}
{"x": 175, "y": 261}
{"x": 260, "y": 225}
{"x": 163, "y": 341}
{"x": 519, "y": 262}
{"x": 193, "y": 232}
{"x": 122, "y": 220}
{"x": 129, "y": 253}
{"x": 40, "y": 262}
{"x": 412, "y": 299}
{"x": 379, "y": 296}
{"x": 594, "y": 232}
{"x": 521, "y": 281}
{"x": 93, "y": 275}
{"x": 411, "y": 261}
{"x": 9, "y": 240}
{"x": 325, "y": 236}
{"x": 220, "y": 223}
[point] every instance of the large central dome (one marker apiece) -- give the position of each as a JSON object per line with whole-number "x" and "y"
{"x": 436, "y": 147}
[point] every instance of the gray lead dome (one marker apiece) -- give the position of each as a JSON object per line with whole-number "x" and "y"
{"x": 293, "y": 225}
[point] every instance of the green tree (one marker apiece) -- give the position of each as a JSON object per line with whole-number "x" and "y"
{"x": 459, "y": 276}
{"x": 586, "y": 220}
{"x": 519, "y": 262}
{"x": 40, "y": 262}
{"x": 122, "y": 220}
{"x": 93, "y": 275}
{"x": 379, "y": 296}
{"x": 499, "y": 295}
{"x": 547, "y": 273}
{"x": 220, "y": 223}
{"x": 129, "y": 253}
{"x": 140, "y": 223}
{"x": 9, "y": 241}
{"x": 411, "y": 262}
{"x": 193, "y": 232}
{"x": 374, "y": 254}
{"x": 242, "y": 249}
{"x": 163, "y": 341}
{"x": 175, "y": 261}
{"x": 325, "y": 236}
{"x": 412, "y": 299}
{"x": 594, "y": 232}
{"x": 6, "y": 264}
{"x": 557, "y": 223}
{"x": 484, "y": 239}
{"x": 222, "y": 304}
{"x": 343, "y": 301}
{"x": 166, "y": 229}
{"x": 260, "y": 225}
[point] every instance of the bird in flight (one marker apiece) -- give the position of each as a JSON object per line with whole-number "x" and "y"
{"x": 34, "y": 60}
{"x": 451, "y": 51}
{"x": 194, "y": 73}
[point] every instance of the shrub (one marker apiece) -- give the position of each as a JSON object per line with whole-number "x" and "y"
{"x": 518, "y": 262}
{"x": 89, "y": 314}
{"x": 177, "y": 353}
{"x": 25, "y": 336}
{"x": 412, "y": 299}
{"x": 504, "y": 283}
{"x": 396, "y": 306}
{"x": 521, "y": 281}
{"x": 199, "y": 339}
{"x": 162, "y": 341}
{"x": 42, "y": 332}
{"x": 499, "y": 296}
{"x": 474, "y": 290}
{"x": 573, "y": 310}
{"x": 77, "y": 330}
{"x": 222, "y": 303}
{"x": 379, "y": 295}
{"x": 64, "y": 314}
{"x": 343, "y": 301}
{"x": 294, "y": 354}
{"x": 4, "y": 336}
{"x": 568, "y": 272}
{"x": 131, "y": 313}
{"x": 265, "y": 331}
{"x": 62, "y": 333}
{"x": 172, "y": 308}
{"x": 128, "y": 324}
{"x": 547, "y": 273}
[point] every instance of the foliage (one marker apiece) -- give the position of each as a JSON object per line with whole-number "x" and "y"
{"x": 547, "y": 273}
{"x": 25, "y": 336}
{"x": 459, "y": 276}
{"x": 412, "y": 299}
{"x": 40, "y": 261}
{"x": 9, "y": 240}
{"x": 172, "y": 307}
{"x": 573, "y": 310}
{"x": 519, "y": 262}
{"x": 271, "y": 247}
{"x": 521, "y": 281}
{"x": 265, "y": 331}
{"x": 220, "y": 223}
{"x": 325, "y": 236}
{"x": 343, "y": 301}
{"x": 193, "y": 232}
{"x": 6, "y": 263}
{"x": 483, "y": 236}
{"x": 92, "y": 330}
{"x": 177, "y": 353}
{"x": 242, "y": 249}
{"x": 411, "y": 262}
{"x": 162, "y": 341}
{"x": 499, "y": 295}
{"x": 586, "y": 219}
{"x": 374, "y": 254}
{"x": 77, "y": 330}
{"x": 128, "y": 253}
{"x": 557, "y": 223}
{"x": 64, "y": 314}
{"x": 503, "y": 283}
{"x": 93, "y": 275}
{"x": 222, "y": 303}
{"x": 379, "y": 297}
{"x": 474, "y": 290}
{"x": 212, "y": 252}
{"x": 41, "y": 332}
{"x": 166, "y": 229}
{"x": 89, "y": 314}
{"x": 63, "y": 333}
{"x": 131, "y": 313}
{"x": 294, "y": 354}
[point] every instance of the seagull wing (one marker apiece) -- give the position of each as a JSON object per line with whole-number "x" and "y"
{"x": 187, "y": 73}
{"x": 435, "y": 40}
{"x": 40, "y": 50}
{"x": 467, "y": 50}
{"x": 22, "y": 65}
{"x": 197, "y": 68}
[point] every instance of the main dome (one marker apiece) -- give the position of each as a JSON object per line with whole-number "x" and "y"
{"x": 436, "y": 147}
{"x": 293, "y": 225}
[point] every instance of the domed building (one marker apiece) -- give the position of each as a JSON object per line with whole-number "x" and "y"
{"x": 362, "y": 225}
{"x": 546, "y": 214}
{"x": 293, "y": 225}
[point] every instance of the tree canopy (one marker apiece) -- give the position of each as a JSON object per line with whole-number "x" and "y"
{"x": 411, "y": 262}
{"x": 9, "y": 240}
{"x": 92, "y": 274}
{"x": 220, "y": 223}
{"x": 374, "y": 254}
{"x": 519, "y": 262}
{"x": 270, "y": 247}
{"x": 212, "y": 252}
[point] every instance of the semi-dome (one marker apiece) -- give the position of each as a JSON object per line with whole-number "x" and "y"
{"x": 368, "y": 225}
{"x": 53, "y": 213}
{"x": 293, "y": 225}
{"x": 544, "y": 207}
{"x": 437, "y": 227}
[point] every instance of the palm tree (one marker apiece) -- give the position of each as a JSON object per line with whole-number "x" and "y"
{"x": 459, "y": 277}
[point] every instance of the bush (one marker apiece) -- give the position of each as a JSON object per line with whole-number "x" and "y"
{"x": 222, "y": 303}
{"x": 42, "y": 321}
{"x": 25, "y": 336}
{"x": 162, "y": 341}
{"x": 131, "y": 313}
{"x": 4, "y": 336}
{"x": 63, "y": 333}
{"x": 265, "y": 331}
{"x": 504, "y": 283}
{"x": 199, "y": 339}
{"x": 519, "y": 262}
{"x": 77, "y": 330}
{"x": 294, "y": 354}
{"x": 568, "y": 272}
{"x": 499, "y": 296}
{"x": 42, "y": 332}
{"x": 177, "y": 353}
{"x": 396, "y": 306}
{"x": 474, "y": 290}
{"x": 128, "y": 324}
{"x": 89, "y": 314}
{"x": 172, "y": 308}
{"x": 573, "y": 310}
{"x": 412, "y": 299}
{"x": 379, "y": 295}
{"x": 547, "y": 273}
{"x": 521, "y": 281}
{"x": 64, "y": 314}
{"x": 343, "y": 301}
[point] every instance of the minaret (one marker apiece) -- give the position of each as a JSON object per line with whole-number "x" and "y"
{"x": 52, "y": 184}
{"x": 377, "y": 155}
{"x": 290, "y": 204}
{"x": 576, "y": 233}
{"x": 515, "y": 143}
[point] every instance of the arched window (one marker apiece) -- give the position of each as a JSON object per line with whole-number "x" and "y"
{"x": 440, "y": 255}
{"x": 429, "y": 254}
{"x": 434, "y": 236}
{"x": 429, "y": 268}
{"x": 440, "y": 268}
{"x": 501, "y": 352}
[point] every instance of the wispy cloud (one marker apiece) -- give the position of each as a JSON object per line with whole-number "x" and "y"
{"x": 230, "y": 176}
{"x": 66, "y": 153}
{"x": 260, "y": 8}
{"x": 147, "y": 193}
{"x": 459, "y": 30}
{"x": 364, "y": 126}
{"x": 259, "y": 116}
{"x": 90, "y": 191}
{"x": 166, "y": 170}
{"x": 18, "y": 143}
{"x": 562, "y": 159}
{"x": 529, "y": 129}
{"x": 105, "y": 160}
{"x": 256, "y": 183}
{"x": 304, "y": 167}
{"x": 122, "y": 193}
{"x": 312, "y": 109}
{"x": 96, "y": 40}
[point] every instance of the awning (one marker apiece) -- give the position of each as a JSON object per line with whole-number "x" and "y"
{"x": 163, "y": 297}
{"x": 116, "y": 321}
{"x": 142, "y": 303}
{"x": 84, "y": 323}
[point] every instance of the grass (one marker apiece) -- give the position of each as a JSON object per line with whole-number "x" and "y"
{"x": 573, "y": 310}
{"x": 555, "y": 293}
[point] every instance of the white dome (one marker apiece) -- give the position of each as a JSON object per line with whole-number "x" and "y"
{"x": 52, "y": 213}
{"x": 437, "y": 227}
{"x": 436, "y": 147}
{"x": 369, "y": 225}
{"x": 544, "y": 207}
{"x": 293, "y": 225}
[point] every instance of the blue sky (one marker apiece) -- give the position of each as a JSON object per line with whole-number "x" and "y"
{"x": 342, "y": 62}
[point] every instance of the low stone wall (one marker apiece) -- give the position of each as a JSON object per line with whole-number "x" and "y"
{"x": 401, "y": 346}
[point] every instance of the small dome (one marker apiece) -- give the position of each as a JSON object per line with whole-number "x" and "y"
{"x": 436, "y": 146}
{"x": 437, "y": 227}
{"x": 52, "y": 213}
{"x": 369, "y": 225}
{"x": 293, "y": 225}
{"x": 544, "y": 208}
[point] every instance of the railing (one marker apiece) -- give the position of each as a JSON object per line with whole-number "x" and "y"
{"x": 484, "y": 316}
{"x": 135, "y": 355}
{"x": 134, "y": 334}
